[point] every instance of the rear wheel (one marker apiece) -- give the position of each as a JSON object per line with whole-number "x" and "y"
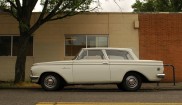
{"x": 51, "y": 82}
{"x": 131, "y": 82}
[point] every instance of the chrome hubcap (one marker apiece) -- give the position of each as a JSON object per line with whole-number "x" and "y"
{"x": 131, "y": 81}
{"x": 50, "y": 81}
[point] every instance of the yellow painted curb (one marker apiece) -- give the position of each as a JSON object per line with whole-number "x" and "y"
{"x": 47, "y": 103}
{"x": 104, "y": 103}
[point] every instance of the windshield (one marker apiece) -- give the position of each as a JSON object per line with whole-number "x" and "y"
{"x": 77, "y": 55}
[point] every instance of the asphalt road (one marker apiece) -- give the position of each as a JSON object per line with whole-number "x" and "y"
{"x": 88, "y": 94}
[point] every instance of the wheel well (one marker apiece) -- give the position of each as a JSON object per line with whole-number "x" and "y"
{"x": 62, "y": 79}
{"x": 144, "y": 79}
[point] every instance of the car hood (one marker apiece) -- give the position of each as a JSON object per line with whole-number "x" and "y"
{"x": 54, "y": 63}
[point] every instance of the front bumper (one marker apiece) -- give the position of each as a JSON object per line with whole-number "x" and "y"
{"x": 160, "y": 75}
{"x": 34, "y": 79}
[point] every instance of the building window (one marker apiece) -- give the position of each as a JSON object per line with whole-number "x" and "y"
{"x": 9, "y": 46}
{"x": 97, "y": 41}
{"x": 74, "y": 43}
{"x": 5, "y": 46}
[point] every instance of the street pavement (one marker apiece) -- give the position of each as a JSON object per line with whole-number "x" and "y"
{"x": 145, "y": 86}
{"x": 164, "y": 94}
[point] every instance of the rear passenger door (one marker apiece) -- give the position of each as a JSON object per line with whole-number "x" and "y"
{"x": 118, "y": 60}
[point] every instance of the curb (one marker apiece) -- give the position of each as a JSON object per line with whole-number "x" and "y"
{"x": 162, "y": 86}
{"x": 145, "y": 86}
{"x": 103, "y": 103}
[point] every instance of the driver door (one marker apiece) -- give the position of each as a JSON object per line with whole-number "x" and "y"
{"x": 91, "y": 67}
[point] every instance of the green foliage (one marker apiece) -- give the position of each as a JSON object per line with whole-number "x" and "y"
{"x": 2, "y": 4}
{"x": 157, "y": 6}
{"x": 68, "y": 5}
{"x": 19, "y": 7}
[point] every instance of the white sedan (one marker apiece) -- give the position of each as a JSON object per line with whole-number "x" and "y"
{"x": 98, "y": 66}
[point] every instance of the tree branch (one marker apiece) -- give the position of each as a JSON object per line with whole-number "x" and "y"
{"x": 12, "y": 9}
{"x": 70, "y": 13}
{"x": 33, "y": 3}
{"x": 43, "y": 11}
{"x": 53, "y": 12}
{"x": 118, "y": 5}
{"x": 13, "y": 13}
{"x": 52, "y": 15}
{"x": 18, "y": 4}
{"x": 25, "y": 2}
{"x": 40, "y": 20}
{"x": 64, "y": 16}
{"x": 19, "y": 10}
{"x": 12, "y": 4}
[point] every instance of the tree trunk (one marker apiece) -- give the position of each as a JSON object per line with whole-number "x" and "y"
{"x": 21, "y": 58}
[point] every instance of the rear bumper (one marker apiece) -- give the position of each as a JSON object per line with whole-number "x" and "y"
{"x": 160, "y": 75}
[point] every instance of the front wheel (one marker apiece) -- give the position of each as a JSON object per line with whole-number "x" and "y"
{"x": 131, "y": 82}
{"x": 51, "y": 82}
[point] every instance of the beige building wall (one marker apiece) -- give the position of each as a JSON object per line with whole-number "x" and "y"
{"x": 49, "y": 39}
{"x": 9, "y": 27}
{"x": 123, "y": 31}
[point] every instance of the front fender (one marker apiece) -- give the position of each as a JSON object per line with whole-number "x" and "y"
{"x": 64, "y": 71}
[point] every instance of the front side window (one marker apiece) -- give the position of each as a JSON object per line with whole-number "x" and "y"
{"x": 118, "y": 55}
{"x": 74, "y": 43}
{"x": 91, "y": 55}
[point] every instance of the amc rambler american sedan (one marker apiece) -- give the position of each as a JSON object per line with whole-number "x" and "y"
{"x": 118, "y": 66}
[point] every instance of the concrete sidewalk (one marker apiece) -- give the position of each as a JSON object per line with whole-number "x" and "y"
{"x": 103, "y": 103}
{"x": 162, "y": 86}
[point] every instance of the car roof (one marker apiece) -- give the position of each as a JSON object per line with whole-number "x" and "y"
{"x": 108, "y": 48}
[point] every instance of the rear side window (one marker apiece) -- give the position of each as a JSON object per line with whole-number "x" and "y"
{"x": 118, "y": 55}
